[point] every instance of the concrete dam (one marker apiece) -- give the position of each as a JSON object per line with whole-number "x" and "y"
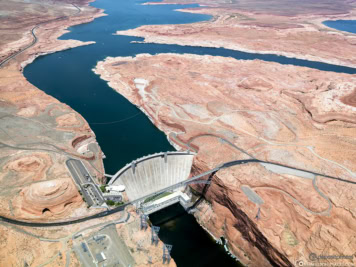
{"x": 152, "y": 173}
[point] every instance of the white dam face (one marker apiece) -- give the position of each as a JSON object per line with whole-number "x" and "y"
{"x": 152, "y": 173}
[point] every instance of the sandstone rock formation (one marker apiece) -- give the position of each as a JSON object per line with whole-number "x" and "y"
{"x": 231, "y": 109}
{"x": 30, "y": 167}
{"x": 37, "y": 134}
{"x": 53, "y": 197}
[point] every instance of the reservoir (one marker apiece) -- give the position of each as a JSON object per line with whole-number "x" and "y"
{"x": 122, "y": 130}
{"x": 342, "y": 25}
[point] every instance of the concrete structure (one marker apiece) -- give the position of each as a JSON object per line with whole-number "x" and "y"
{"x": 154, "y": 172}
{"x": 115, "y": 188}
{"x": 113, "y": 197}
{"x": 114, "y": 193}
{"x": 152, "y": 207}
{"x": 287, "y": 170}
{"x": 100, "y": 257}
{"x": 252, "y": 195}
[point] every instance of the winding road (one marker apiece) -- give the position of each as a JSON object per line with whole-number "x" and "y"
{"x": 180, "y": 184}
{"x": 118, "y": 209}
{"x": 186, "y": 182}
{"x": 35, "y": 39}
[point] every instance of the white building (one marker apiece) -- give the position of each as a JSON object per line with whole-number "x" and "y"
{"x": 100, "y": 257}
{"x": 115, "y": 189}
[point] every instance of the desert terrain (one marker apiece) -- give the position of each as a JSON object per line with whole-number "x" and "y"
{"x": 37, "y": 135}
{"x": 296, "y": 116}
{"x": 227, "y": 109}
{"x": 290, "y": 115}
{"x": 290, "y": 28}
{"x": 37, "y": 131}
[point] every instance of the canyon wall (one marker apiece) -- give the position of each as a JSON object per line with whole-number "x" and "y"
{"x": 228, "y": 110}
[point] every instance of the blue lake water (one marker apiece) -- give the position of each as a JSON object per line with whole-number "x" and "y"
{"x": 342, "y": 25}
{"x": 68, "y": 76}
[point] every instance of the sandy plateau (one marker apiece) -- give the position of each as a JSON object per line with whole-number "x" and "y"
{"x": 292, "y": 29}
{"x": 291, "y": 115}
{"x": 296, "y": 116}
{"x": 37, "y": 135}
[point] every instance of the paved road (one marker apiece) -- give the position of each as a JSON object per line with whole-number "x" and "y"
{"x": 120, "y": 208}
{"x": 311, "y": 148}
{"x": 82, "y": 177}
{"x": 35, "y": 39}
{"x": 216, "y": 136}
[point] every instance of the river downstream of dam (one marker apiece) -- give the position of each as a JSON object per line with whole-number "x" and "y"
{"x": 122, "y": 130}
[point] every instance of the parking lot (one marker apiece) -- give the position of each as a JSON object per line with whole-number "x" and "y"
{"x": 83, "y": 179}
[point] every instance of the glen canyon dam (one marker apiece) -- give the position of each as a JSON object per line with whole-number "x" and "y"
{"x": 205, "y": 133}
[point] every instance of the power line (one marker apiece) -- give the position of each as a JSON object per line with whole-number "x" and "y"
{"x": 113, "y": 122}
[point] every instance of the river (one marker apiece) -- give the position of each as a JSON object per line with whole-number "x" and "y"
{"x": 68, "y": 76}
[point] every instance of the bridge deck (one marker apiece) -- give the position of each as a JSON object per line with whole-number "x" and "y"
{"x": 164, "y": 202}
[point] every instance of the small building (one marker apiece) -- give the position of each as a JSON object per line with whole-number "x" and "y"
{"x": 84, "y": 247}
{"x": 99, "y": 238}
{"x": 77, "y": 236}
{"x": 115, "y": 198}
{"x": 100, "y": 257}
{"x": 115, "y": 188}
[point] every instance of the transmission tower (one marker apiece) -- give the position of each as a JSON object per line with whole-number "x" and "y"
{"x": 154, "y": 235}
{"x": 143, "y": 222}
{"x": 167, "y": 253}
{"x": 150, "y": 260}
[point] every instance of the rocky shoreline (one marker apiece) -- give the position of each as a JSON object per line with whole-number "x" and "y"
{"x": 299, "y": 36}
{"x": 37, "y": 135}
{"x": 276, "y": 113}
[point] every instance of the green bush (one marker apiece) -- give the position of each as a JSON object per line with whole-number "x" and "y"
{"x": 103, "y": 189}
{"x": 110, "y": 202}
